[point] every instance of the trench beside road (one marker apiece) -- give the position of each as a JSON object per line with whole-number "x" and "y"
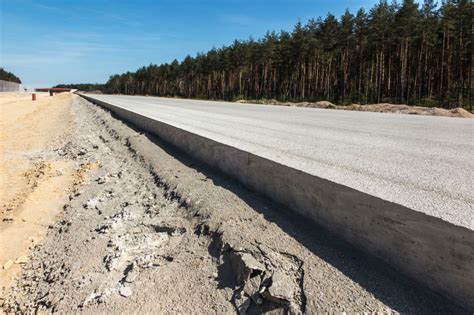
{"x": 396, "y": 186}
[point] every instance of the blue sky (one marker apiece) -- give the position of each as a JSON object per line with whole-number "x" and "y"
{"x": 46, "y": 42}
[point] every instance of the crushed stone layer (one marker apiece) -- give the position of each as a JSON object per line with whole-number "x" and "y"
{"x": 152, "y": 231}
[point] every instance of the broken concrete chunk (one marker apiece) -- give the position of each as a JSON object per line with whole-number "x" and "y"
{"x": 251, "y": 262}
{"x": 252, "y": 288}
{"x": 125, "y": 291}
{"x": 282, "y": 289}
{"x": 245, "y": 266}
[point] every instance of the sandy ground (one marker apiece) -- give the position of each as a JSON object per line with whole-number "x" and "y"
{"x": 145, "y": 229}
{"x": 33, "y": 186}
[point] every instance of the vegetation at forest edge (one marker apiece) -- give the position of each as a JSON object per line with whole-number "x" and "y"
{"x": 406, "y": 52}
{"x": 8, "y": 76}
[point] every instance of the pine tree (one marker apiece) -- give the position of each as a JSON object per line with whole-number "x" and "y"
{"x": 399, "y": 53}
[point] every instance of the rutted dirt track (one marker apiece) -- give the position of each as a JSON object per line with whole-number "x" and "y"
{"x": 148, "y": 230}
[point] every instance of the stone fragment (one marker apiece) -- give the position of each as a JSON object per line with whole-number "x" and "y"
{"x": 125, "y": 291}
{"x": 245, "y": 266}
{"x": 282, "y": 289}
{"x": 252, "y": 288}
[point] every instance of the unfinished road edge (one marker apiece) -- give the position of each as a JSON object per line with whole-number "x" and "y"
{"x": 436, "y": 253}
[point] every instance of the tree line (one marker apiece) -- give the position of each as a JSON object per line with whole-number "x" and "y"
{"x": 8, "y": 76}
{"x": 396, "y": 52}
{"x": 86, "y": 87}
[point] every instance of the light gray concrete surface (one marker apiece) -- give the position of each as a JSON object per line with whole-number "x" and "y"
{"x": 396, "y": 186}
{"x": 423, "y": 163}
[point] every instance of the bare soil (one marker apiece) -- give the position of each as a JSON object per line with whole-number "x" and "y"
{"x": 146, "y": 229}
{"x": 33, "y": 183}
{"x": 379, "y": 108}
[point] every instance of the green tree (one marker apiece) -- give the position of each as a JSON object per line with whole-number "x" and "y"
{"x": 397, "y": 52}
{"x": 8, "y": 76}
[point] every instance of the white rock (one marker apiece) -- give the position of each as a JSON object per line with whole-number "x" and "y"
{"x": 125, "y": 291}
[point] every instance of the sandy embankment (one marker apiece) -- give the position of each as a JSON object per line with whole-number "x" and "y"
{"x": 33, "y": 186}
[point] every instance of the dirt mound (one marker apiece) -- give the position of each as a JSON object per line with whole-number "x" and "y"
{"x": 324, "y": 104}
{"x": 261, "y": 101}
{"x": 413, "y": 110}
{"x": 461, "y": 112}
{"x": 379, "y": 108}
{"x": 396, "y": 109}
